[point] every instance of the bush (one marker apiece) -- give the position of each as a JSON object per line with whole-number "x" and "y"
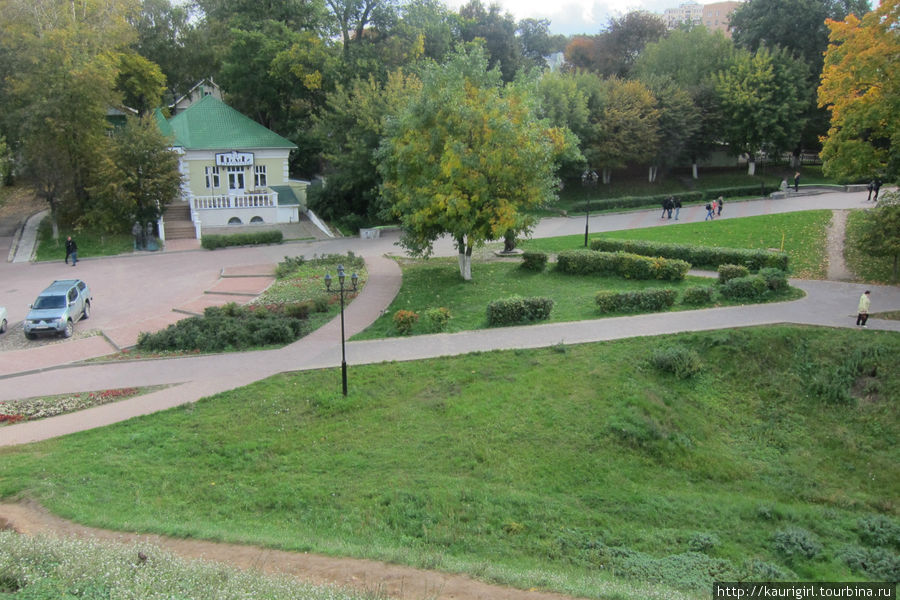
{"x": 637, "y": 301}
{"x": 794, "y": 543}
{"x": 622, "y": 264}
{"x": 404, "y": 320}
{"x": 752, "y": 287}
{"x": 698, "y": 256}
{"x": 703, "y": 542}
{"x": 877, "y": 563}
{"x": 679, "y": 361}
{"x": 211, "y": 242}
{"x": 879, "y": 530}
{"x": 437, "y": 318}
{"x": 729, "y": 272}
{"x": 298, "y": 310}
{"x": 534, "y": 261}
{"x": 518, "y": 310}
{"x": 288, "y": 266}
{"x": 700, "y": 294}
{"x": 776, "y": 279}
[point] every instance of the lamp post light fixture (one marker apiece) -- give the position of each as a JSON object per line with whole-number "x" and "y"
{"x": 341, "y": 278}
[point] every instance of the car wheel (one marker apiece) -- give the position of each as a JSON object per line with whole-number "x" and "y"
{"x": 87, "y": 311}
{"x": 69, "y": 330}
{"x": 30, "y": 336}
{"x": 3, "y": 326}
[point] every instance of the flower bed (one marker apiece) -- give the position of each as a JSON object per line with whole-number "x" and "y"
{"x": 30, "y": 409}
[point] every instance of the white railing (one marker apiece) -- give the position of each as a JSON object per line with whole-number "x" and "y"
{"x": 247, "y": 200}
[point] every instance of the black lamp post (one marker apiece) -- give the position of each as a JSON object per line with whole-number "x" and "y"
{"x": 589, "y": 178}
{"x": 354, "y": 279}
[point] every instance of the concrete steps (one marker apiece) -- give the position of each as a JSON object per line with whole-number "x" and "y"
{"x": 178, "y": 223}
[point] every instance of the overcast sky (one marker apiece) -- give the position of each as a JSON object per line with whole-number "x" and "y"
{"x": 576, "y": 16}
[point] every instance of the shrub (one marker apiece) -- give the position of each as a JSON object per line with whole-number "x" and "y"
{"x": 404, "y": 320}
{"x": 729, "y": 272}
{"x": 752, "y": 287}
{"x": 622, "y": 264}
{"x": 518, "y": 310}
{"x": 320, "y": 303}
{"x": 211, "y": 242}
{"x": 288, "y": 266}
{"x": 698, "y": 256}
{"x": 879, "y": 530}
{"x": 703, "y": 542}
{"x": 700, "y": 294}
{"x": 794, "y": 543}
{"x": 878, "y": 563}
{"x": 678, "y": 360}
{"x": 637, "y": 301}
{"x": 437, "y": 318}
{"x": 534, "y": 261}
{"x": 298, "y": 310}
{"x": 776, "y": 279}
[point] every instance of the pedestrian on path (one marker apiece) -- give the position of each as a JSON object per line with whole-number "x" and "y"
{"x": 871, "y": 188}
{"x": 709, "y": 212}
{"x": 863, "y": 314}
{"x": 797, "y": 181}
{"x": 719, "y": 210}
{"x": 677, "y": 207}
{"x": 665, "y": 207}
{"x": 715, "y": 205}
{"x": 876, "y": 186}
{"x": 71, "y": 250}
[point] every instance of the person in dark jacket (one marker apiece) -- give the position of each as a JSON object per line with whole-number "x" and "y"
{"x": 71, "y": 250}
{"x": 797, "y": 181}
{"x": 876, "y": 186}
{"x": 677, "y": 207}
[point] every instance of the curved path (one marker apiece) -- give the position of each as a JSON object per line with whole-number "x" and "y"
{"x": 191, "y": 378}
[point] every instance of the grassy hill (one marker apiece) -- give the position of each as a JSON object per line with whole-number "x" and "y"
{"x": 591, "y": 469}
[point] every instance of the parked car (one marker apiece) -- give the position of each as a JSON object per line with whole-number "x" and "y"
{"x": 58, "y": 308}
{"x": 2, "y": 319}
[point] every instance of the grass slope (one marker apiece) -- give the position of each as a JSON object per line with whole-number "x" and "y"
{"x": 574, "y": 468}
{"x": 803, "y": 235}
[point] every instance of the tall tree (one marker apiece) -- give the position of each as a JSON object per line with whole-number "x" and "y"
{"x": 763, "y": 98}
{"x": 880, "y": 232}
{"x": 498, "y": 30}
{"x": 466, "y": 157}
{"x": 861, "y": 89}
{"x": 678, "y": 122}
{"x": 614, "y": 51}
{"x": 137, "y": 177}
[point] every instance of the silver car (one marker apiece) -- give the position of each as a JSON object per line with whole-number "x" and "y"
{"x": 58, "y": 307}
{"x": 2, "y": 319}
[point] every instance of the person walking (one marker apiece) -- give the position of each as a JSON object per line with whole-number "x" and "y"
{"x": 797, "y": 181}
{"x": 677, "y": 207}
{"x": 71, "y": 250}
{"x": 709, "y": 212}
{"x": 871, "y": 188}
{"x": 665, "y": 206}
{"x": 876, "y": 185}
{"x": 719, "y": 210}
{"x": 670, "y": 205}
{"x": 863, "y": 313}
{"x": 715, "y": 205}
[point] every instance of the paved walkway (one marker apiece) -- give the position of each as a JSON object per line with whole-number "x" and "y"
{"x": 826, "y": 304}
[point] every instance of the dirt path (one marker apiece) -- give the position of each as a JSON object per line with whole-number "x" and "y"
{"x": 837, "y": 268}
{"x": 365, "y": 575}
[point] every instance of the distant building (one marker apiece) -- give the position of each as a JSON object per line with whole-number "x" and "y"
{"x": 713, "y": 16}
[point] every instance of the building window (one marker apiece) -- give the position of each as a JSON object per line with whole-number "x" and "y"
{"x": 212, "y": 177}
{"x": 234, "y": 221}
{"x": 236, "y": 178}
{"x": 259, "y": 176}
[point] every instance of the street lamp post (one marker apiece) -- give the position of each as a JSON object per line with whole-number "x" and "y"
{"x": 354, "y": 279}
{"x": 588, "y": 178}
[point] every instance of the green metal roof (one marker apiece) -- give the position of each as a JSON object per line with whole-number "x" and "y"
{"x": 210, "y": 124}
{"x": 286, "y": 195}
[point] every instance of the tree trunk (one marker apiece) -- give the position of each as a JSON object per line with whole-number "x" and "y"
{"x": 651, "y": 176}
{"x": 751, "y": 167}
{"x": 607, "y": 175}
{"x": 694, "y": 172}
{"x": 896, "y": 260}
{"x": 465, "y": 263}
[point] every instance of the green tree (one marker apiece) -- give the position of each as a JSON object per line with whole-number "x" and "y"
{"x": 137, "y": 177}
{"x": 763, "y": 98}
{"x": 140, "y": 81}
{"x": 565, "y": 105}
{"x": 880, "y": 235}
{"x": 498, "y": 30}
{"x": 466, "y": 157}
{"x": 861, "y": 89}
{"x": 613, "y": 52}
{"x": 678, "y": 122}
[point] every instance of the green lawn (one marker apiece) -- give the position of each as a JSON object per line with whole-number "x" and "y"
{"x": 90, "y": 243}
{"x": 801, "y": 234}
{"x": 581, "y": 469}
{"x": 867, "y": 268}
{"x": 436, "y": 283}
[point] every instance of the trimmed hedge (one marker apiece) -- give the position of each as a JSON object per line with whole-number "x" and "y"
{"x": 776, "y": 279}
{"x": 518, "y": 310}
{"x": 622, "y": 264}
{"x": 534, "y": 261}
{"x": 752, "y": 287}
{"x": 729, "y": 272}
{"x": 638, "y": 301}
{"x": 700, "y": 294}
{"x": 211, "y": 242}
{"x": 685, "y": 197}
{"x": 698, "y": 256}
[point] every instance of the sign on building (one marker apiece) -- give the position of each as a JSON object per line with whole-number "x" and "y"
{"x": 234, "y": 159}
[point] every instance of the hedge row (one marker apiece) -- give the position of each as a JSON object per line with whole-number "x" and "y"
{"x": 699, "y": 256}
{"x": 685, "y": 197}
{"x": 622, "y": 264}
{"x": 518, "y": 310}
{"x": 637, "y": 301}
{"x": 211, "y": 242}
